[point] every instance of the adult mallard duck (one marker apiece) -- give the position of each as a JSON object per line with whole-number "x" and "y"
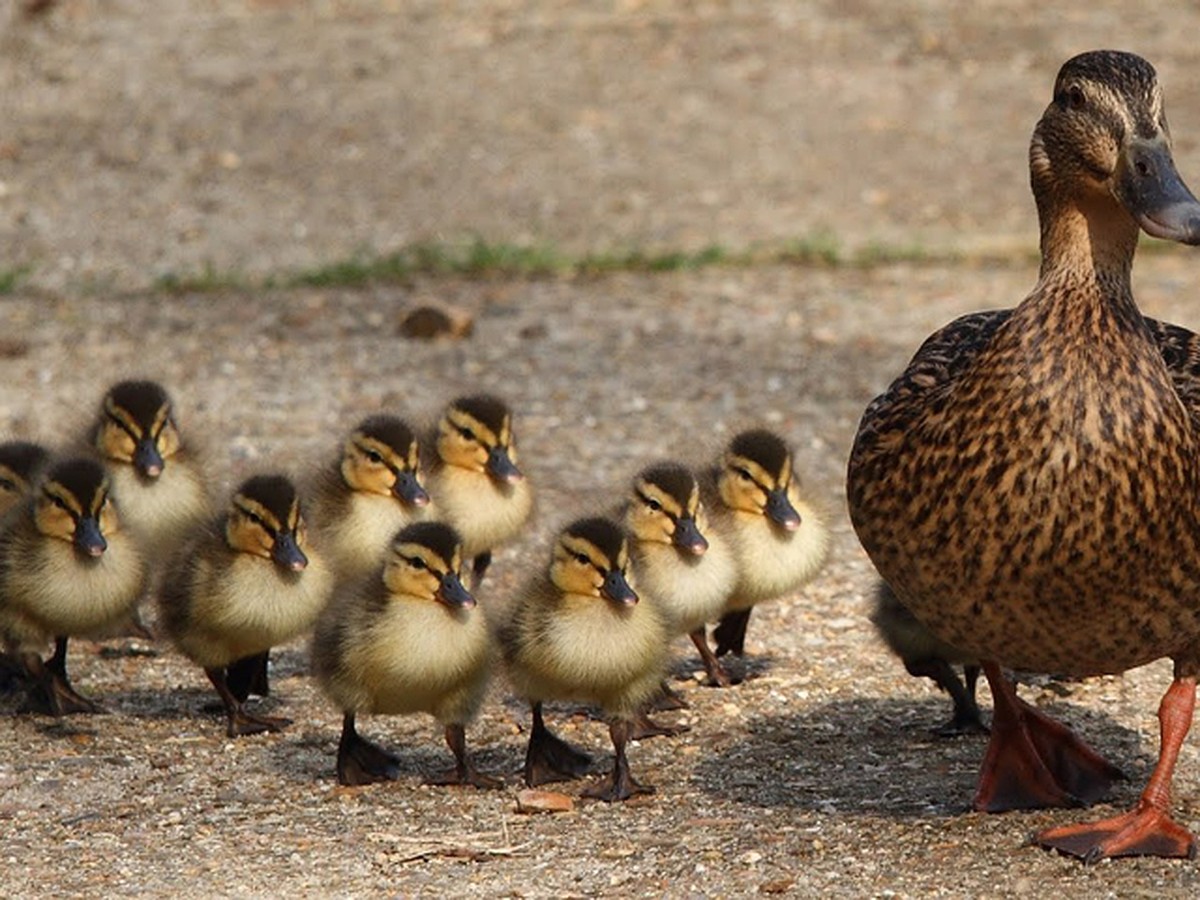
{"x": 1029, "y": 484}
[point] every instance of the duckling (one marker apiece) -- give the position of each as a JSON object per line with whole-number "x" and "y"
{"x": 371, "y": 491}
{"x": 924, "y": 655}
{"x": 1029, "y": 485}
{"x": 410, "y": 640}
{"x": 682, "y": 565}
{"x": 778, "y": 538}
{"x": 248, "y": 582}
{"x": 577, "y": 632}
{"x": 474, "y": 480}
{"x": 20, "y": 464}
{"x": 158, "y": 479}
{"x": 67, "y": 568}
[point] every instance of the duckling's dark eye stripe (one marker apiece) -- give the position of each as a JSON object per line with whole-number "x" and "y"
{"x": 655, "y": 504}
{"x": 123, "y": 425}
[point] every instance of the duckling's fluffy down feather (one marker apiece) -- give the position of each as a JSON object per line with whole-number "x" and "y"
{"x": 771, "y": 561}
{"x": 403, "y": 655}
{"x": 573, "y": 647}
{"x": 46, "y": 589}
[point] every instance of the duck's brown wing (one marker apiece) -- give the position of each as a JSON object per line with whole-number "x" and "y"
{"x": 1181, "y": 352}
{"x": 933, "y": 371}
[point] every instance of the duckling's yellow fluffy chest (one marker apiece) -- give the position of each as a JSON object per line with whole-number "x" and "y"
{"x": 160, "y": 511}
{"x": 356, "y": 541}
{"x": 243, "y": 606}
{"x": 589, "y": 650}
{"x": 49, "y": 590}
{"x": 770, "y": 560}
{"x": 413, "y": 655}
{"x": 484, "y": 512}
{"x": 689, "y": 590}
{"x": 1041, "y": 511}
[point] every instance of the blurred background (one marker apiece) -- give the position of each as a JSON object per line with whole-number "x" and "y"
{"x": 143, "y": 144}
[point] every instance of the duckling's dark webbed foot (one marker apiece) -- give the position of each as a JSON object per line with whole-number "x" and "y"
{"x": 249, "y": 676}
{"x": 966, "y": 718}
{"x": 54, "y": 696}
{"x": 668, "y": 699}
{"x": 550, "y": 758}
{"x": 361, "y": 762}
{"x": 50, "y": 691}
{"x": 242, "y": 723}
{"x": 463, "y": 772}
{"x": 620, "y": 785}
{"x": 730, "y": 633}
{"x": 643, "y": 727}
{"x": 1033, "y": 762}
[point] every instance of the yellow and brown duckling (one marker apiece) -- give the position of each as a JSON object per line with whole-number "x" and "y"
{"x": 369, "y": 493}
{"x": 20, "y": 464}
{"x": 249, "y": 582}
{"x": 67, "y": 568}
{"x": 474, "y": 478}
{"x": 158, "y": 479}
{"x": 407, "y": 641}
{"x": 1029, "y": 485}
{"x": 777, "y": 536}
{"x": 577, "y": 632}
{"x": 684, "y": 567}
{"x": 926, "y": 656}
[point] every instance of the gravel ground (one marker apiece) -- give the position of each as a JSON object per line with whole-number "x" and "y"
{"x": 269, "y": 134}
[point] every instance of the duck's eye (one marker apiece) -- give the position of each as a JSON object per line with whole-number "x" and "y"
{"x": 7, "y": 484}
{"x": 653, "y": 505}
{"x": 254, "y": 519}
{"x": 582, "y": 559}
{"x": 416, "y": 562}
{"x": 743, "y": 474}
{"x": 1075, "y": 98}
{"x": 59, "y": 502}
{"x": 373, "y": 457}
{"x": 467, "y": 433}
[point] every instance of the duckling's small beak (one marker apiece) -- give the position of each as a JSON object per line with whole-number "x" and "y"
{"x": 409, "y": 490}
{"x": 617, "y": 589}
{"x": 1148, "y": 185}
{"x": 88, "y": 539}
{"x": 780, "y": 510}
{"x": 501, "y": 467}
{"x": 287, "y": 553}
{"x": 453, "y": 594}
{"x": 687, "y": 537}
{"x": 146, "y": 458}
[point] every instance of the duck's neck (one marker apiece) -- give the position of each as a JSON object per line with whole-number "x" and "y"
{"x": 1087, "y": 257}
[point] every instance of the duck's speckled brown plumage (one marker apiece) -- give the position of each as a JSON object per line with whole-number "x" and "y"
{"x": 1029, "y": 485}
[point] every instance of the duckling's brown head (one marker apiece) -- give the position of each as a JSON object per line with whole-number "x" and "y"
{"x": 135, "y": 426}
{"x": 756, "y": 477}
{"x": 476, "y": 433}
{"x": 382, "y": 456}
{"x": 425, "y": 560}
{"x": 665, "y": 508}
{"x": 591, "y": 559}
{"x": 20, "y": 464}
{"x": 264, "y": 519}
{"x": 72, "y": 504}
{"x": 1103, "y": 147}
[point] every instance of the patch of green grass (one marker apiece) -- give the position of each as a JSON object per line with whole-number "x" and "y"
{"x": 11, "y": 278}
{"x": 477, "y": 258}
{"x": 207, "y": 281}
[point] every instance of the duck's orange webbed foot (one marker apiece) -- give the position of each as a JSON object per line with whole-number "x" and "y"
{"x": 1143, "y": 831}
{"x": 1148, "y": 829}
{"x": 1034, "y": 762}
